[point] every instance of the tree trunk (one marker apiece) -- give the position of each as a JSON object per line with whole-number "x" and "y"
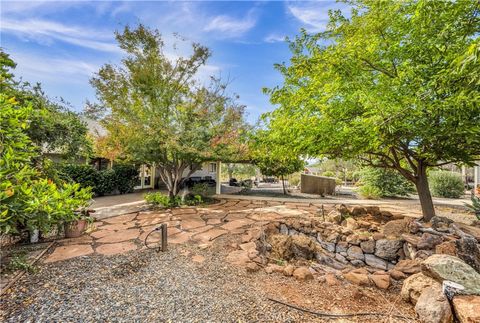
{"x": 421, "y": 183}
{"x": 283, "y": 185}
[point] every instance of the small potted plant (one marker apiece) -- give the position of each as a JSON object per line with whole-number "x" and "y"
{"x": 76, "y": 228}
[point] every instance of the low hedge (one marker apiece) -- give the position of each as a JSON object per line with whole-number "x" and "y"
{"x": 120, "y": 179}
{"x": 446, "y": 184}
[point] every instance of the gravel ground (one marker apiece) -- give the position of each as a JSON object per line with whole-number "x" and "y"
{"x": 169, "y": 287}
{"x": 141, "y": 286}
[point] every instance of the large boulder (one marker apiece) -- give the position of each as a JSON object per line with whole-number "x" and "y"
{"x": 446, "y": 267}
{"x": 388, "y": 249}
{"x": 414, "y": 285}
{"x": 468, "y": 249}
{"x": 467, "y": 308}
{"x": 433, "y": 307}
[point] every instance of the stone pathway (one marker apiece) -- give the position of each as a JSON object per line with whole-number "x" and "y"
{"x": 198, "y": 225}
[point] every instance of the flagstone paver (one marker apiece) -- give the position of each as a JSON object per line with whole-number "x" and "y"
{"x": 71, "y": 251}
{"x": 200, "y": 226}
{"x": 118, "y": 236}
{"x": 115, "y": 248}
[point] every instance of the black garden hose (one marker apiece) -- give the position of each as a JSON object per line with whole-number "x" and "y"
{"x": 334, "y": 315}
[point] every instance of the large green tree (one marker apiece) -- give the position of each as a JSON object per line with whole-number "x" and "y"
{"x": 158, "y": 110}
{"x": 394, "y": 83}
{"x": 54, "y": 128}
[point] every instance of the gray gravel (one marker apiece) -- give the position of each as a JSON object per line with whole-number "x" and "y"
{"x": 143, "y": 286}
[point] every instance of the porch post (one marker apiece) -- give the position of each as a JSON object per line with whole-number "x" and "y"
{"x": 218, "y": 188}
{"x": 476, "y": 177}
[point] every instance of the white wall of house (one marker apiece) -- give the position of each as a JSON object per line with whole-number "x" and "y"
{"x": 208, "y": 169}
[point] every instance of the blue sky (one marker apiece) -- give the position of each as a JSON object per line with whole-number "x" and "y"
{"x": 61, "y": 44}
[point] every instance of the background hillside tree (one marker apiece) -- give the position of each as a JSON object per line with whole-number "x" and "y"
{"x": 158, "y": 110}
{"x": 395, "y": 83}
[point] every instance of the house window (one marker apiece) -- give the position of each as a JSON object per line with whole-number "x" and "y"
{"x": 212, "y": 168}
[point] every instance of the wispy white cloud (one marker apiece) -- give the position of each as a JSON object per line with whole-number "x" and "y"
{"x": 230, "y": 26}
{"x": 274, "y": 38}
{"x": 45, "y": 32}
{"x": 36, "y": 67}
{"x": 313, "y": 15}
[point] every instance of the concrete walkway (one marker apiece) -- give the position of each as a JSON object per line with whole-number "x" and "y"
{"x": 109, "y": 206}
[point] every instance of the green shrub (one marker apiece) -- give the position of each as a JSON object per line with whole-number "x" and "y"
{"x": 200, "y": 189}
{"x": 29, "y": 200}
{"x": 158, "y": 199}
{"x": 120, "y": 177}
{"x": 446, "y": 184}
{"x": 384, "y": 182}
{"x": 369, "y": 192}
{"x": 105, "y": 182}
{"x": 163, "y": 200}
{"x": 85, "y": 175}
{"x": 328, "y": 174}
{"x": 191, "y": 199}
{"x": 126, "y": 177}
{"x": 294, "y": 179}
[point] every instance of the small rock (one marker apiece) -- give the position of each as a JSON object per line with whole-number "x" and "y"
{"x": 466, "y": 308}
{"x": 342, "y": 246}
{"x": 303, "y": 273}
{"x": 387, "y": 249}
{"x": 408, "y": 266}
{"x": 446, "y": 267}
{"x": 395, "y": 228}
{"x": 273, "y": 268}
{"x": 381, "y": 281}
{"x": 368, "y": 246}
{"x": 358, "y": 211}
{"x": 357, "y": 263}
{"x": 469, "y": 251}
{"x": 429, "y": 241}
{"x": 252, "y": 267}
{"x": 355, "y": 253}
{"x": 378, "y": 236}
{"x": 331, "y": 280}
{"x": 376, "y": 262}
{"x": 334, "y": 216}
{"x": 341, "y": 258}
{"x": 329, "y": 246}
{"x": 397, "y": 275}
{"x": 432, "y": 306}
{"x": 283, "y": 229}
{"x": 288, "y": 270}
{"x": 351, "y": 224}
{"x": 249, "y": 246}
{"x": 446, "y": 248}
{"x": 358, "y": 279}
{"x": 414, "y": 285}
